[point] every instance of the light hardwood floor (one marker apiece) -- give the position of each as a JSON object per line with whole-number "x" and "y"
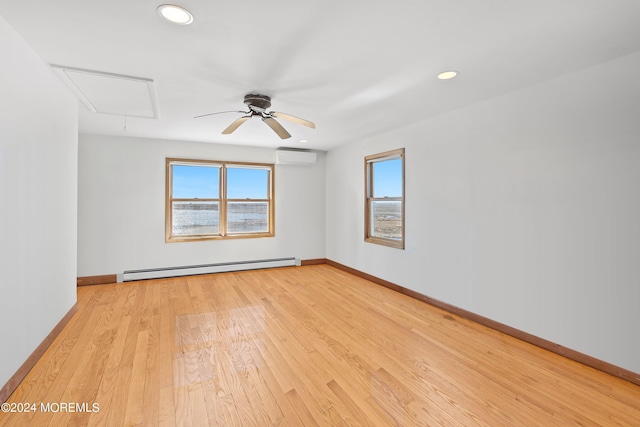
{"x": 301, "y": 346}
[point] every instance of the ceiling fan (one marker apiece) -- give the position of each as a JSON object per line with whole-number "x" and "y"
{"x": 258, "y": 105}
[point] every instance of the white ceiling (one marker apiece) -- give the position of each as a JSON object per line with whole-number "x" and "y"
{"x": 354, "y": 67}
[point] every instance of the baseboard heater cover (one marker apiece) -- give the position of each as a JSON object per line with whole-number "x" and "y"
{"x": 192, "y": 270}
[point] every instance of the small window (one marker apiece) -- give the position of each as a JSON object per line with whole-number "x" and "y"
{"x": 216, "y": 200}
{"x": 384, "y": 193}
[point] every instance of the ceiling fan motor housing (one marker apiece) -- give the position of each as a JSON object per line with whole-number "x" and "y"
{"x": 260, "y": 101}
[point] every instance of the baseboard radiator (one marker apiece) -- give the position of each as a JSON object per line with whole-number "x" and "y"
{"x": 191, "y": 270}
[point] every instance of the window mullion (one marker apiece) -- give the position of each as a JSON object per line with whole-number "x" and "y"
{"x": 386, "y": 199}
{"x": 179, "y": 199}
{"x": 223, "y": 200}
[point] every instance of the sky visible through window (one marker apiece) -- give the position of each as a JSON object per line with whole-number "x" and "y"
{"x": 244, "y": 183}
{"x": 202, "y": 182}
{"x": 195, "y": 182}
{"x": 387, "y": 178}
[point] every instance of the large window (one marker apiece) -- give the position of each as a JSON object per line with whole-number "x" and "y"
{"x": 384, "y": 193}
{"x": 216, "y": 200}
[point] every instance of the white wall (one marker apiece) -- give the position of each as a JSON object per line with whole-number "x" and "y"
{"x": 38, "y": 195}
{"x": 121, "y": 209}
{"x": 524, "y": 209}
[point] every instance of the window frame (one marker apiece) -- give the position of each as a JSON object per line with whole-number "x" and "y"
{"x": 369, "y": 161}
{"x": 222, "y": 200}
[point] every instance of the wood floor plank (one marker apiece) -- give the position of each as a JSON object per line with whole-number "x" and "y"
{"x": 301, "y": 346}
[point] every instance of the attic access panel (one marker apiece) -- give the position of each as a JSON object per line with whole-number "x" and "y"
{"x": 109, "y": 93}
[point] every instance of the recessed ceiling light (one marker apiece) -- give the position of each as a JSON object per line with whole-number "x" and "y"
{"x": 175, "y": 14}
{"x": 303, "y": 141}
{"x": 446, "y": 75}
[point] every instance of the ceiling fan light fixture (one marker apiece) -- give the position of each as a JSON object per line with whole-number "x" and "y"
{"x": 175, "y": 14}
{"x": 447, "y": 75}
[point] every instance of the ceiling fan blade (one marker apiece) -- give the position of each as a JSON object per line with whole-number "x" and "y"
{"x": 294, "y": 119}
{"x": 235, "y": 125}
{"x": 221, "y": 112}
{"x": 277, "y": 127}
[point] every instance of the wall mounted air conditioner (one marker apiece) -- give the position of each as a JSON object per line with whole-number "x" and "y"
{"x": 295, "y": 157}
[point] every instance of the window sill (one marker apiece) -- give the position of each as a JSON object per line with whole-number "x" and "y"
{"x": 398, "y": 244}
{"x": 174, "y": 239}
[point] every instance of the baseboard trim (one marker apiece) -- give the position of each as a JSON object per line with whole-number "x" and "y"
{"x": 113, "y": 278}
{"x": 574, "y": 355}
{"x": 22, "y": 372}
{"x": 314, "y": 261}
{"x": 97, "y": 280}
